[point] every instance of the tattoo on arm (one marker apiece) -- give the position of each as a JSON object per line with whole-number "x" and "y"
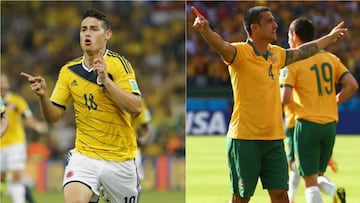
{"x": 301, "y": 52}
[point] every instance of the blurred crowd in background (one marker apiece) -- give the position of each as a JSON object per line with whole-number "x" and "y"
{"x": 39, "y": 37}
{"x": 205, "y": 68}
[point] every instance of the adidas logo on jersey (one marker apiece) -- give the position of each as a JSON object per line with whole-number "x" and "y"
{"x": 74, "y": 83}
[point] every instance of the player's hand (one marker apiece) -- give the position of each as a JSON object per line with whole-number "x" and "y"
{"x": 41, "y": 127}
{"x": 99, "y": 68}
{"x": 37, "y": 83}
{"x": 200, "y": 22}
{"x": 338, "y": 32}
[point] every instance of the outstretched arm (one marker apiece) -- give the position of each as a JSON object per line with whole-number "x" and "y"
{"x": 214, "y": 40}
{"x": 310, "y": 48}
{"x": 51, "y": 112}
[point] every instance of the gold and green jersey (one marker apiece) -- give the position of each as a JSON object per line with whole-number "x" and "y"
{"x": 289, "y": 111}
{"x": 313, "y": 81}
{"x": 16, "y": 110}
{"x": 103, "y": 130}
{"x": 257, "y": 113}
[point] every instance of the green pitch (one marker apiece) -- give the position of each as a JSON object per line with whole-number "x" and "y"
{"x": 146, "y": 197}
{"x": 207, "y": 179}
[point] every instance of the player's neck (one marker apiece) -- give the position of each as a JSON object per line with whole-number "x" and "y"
{"x": 260, "y": 45}
{"x": 89, "y": 59}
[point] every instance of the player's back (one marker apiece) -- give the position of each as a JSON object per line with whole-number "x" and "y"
{"x": 314, "y": 81}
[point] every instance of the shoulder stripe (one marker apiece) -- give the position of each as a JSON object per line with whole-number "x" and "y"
{"x": 125, "y": 64}
{"x": 122, "y": 59}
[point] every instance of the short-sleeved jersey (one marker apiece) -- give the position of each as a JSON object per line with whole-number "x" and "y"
{"x": 257, "y": 113}
{"x": 16, "y": 110}
{"x": 313, "y": 81}
{"x": 103, "y": 130}
{"x": 289, "y": 110}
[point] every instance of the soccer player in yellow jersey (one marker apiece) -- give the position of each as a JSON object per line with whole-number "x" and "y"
{"x": 141, "y": 125}
{"x": 104, "y": 91}
{"x": 3, "y": 119}
{"x": 290, "y": 120}
{"x": 255, "y": 136}
{"x": 311, "y": 83}
{"x": 13, "y": 141}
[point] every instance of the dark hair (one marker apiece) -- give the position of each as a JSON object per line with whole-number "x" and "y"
{"x": 303, "y": 28}
{"x": 98, "y": 15}
{"x": 252, "y": 16}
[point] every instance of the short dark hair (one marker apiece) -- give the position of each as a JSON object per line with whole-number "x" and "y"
{"x": 98, "y": 15}
{"x": 304, "y": 28}
{"x": 252, "y": 16}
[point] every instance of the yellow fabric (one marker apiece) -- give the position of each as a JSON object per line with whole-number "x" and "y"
{"x": 314, "y": 81}
{"x": 289, "y": 110}
{"x": 16, "y": 109}
{"x": 143, "y": 117}
{"x": 257, "y": 113}
{"x": 103, "y": 130}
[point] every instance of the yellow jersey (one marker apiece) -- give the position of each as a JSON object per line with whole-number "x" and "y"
{"x": 289, "y": 111}
{"x": 257, "y": 113}
{"x": 313, "y": 81}
{"x": 103, "y": 130}
{"x": 143, "y": 118}
{"x": 16, "y": 110}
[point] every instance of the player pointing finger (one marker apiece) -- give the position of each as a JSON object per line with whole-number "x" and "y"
{"x": 200, "y": 23}
{"x": 37, "y": 83}
{"x": 338, "y": 31}
{"x": 100, "y": 67}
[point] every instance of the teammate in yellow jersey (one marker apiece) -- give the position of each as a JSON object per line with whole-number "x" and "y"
{"x": 294, "y": 177}
{"x": 142, "y": 127}
{"x": 3, "y": 119}
{"x": 13, "y": 141}
{"x": 311, "y": 85}
{"x": 255, "y": 136}
{"x": 104, "y": 91}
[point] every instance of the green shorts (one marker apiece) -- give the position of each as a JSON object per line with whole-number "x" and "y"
{"x": 314, "y": 144}
{"x": 250, "y": 159}
{"x": 290, "y": 145}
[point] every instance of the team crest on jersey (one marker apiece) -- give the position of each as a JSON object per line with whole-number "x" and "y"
{"x": 69, "y": 174}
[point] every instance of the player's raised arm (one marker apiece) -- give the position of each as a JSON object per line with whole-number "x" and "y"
{"x": 51, "y": 112}
{"x": 308, "y": 49}
{"x": 213, "y": 39}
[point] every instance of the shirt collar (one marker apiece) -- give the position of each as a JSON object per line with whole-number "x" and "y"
{"x": 268, "y": 52}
